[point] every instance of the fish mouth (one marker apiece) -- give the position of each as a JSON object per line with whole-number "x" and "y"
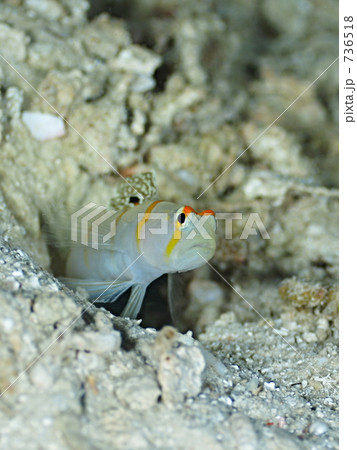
{"x": 204, "y": 249}
{"x": 197, "y": 256}
{"x": 206, "y": 243}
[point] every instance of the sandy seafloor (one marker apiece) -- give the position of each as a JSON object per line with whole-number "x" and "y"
{"x": 181, "y": 88}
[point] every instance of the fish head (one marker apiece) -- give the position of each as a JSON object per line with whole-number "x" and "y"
{"x": 183, "y": 240}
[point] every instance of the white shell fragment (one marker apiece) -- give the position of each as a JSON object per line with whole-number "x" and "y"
{"x": 43, "y": 126}
{"x": 318, "y": 428}
{"x": 138, "y": 60}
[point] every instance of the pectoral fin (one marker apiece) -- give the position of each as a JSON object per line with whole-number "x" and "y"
{"x": 135, "y": 301}
{"x": 99, "y": 291}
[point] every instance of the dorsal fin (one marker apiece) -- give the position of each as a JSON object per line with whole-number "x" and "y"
{"x": 138, "y": 189}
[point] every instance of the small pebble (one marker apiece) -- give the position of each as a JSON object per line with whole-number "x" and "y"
{"x": 309, "y": 337}
{"x": 328, "y": 401}
{"x": 47, "y": 421}
{"x": 226, "y": 400}
{"x": 33, "y": 282}
{"x": 270, "y": 385}
{"x": 17, "y": 273}
{"x": 252, "y": 385}
{"x": 318, "y": 428}
{"x": 8, "y": 324}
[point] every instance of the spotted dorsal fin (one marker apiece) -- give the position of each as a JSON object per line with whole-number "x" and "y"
{"x": 139, "y": 188}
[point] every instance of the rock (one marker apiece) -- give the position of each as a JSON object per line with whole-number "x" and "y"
{"x": 232, "y": 114}
{"x": 138, "y": 392}
{"x": 13, "y": 43}
{"x": 100, "y": 342}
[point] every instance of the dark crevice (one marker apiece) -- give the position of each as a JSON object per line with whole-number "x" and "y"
{"x": 115, "y": 8}
{"x": 154, "y": 312}
{"x": 161, "y": 75}
{"x": 88, "y": 318}
{"x": 127, "y": 342}
{"x": 82, "y": 397}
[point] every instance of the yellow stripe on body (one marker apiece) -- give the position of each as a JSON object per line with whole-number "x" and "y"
{"x": 173, "y": 241}
{"x": 170, "y": 246}
{"x": 143, "y": 220}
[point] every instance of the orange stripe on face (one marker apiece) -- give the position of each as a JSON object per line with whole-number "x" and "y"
{"x": 144, "y": 219}
{"x": 206, "y": 212}
{"x": 188, "y": 210}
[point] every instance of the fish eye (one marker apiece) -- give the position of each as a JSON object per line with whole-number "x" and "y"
{"x": 134, "y": 199}
{"x": 181, "y": 218}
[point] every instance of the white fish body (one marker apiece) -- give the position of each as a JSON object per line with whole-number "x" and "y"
{"x": 151, "y": 239}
